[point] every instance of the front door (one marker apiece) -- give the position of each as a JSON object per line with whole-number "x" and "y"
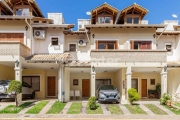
{"x": 144, "y": 87}
{"x": 51, "y": 86}
{"x": 85, "y": 88}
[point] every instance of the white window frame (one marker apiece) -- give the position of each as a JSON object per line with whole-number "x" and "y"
{"x": 55, "y": 37}
{"x": 69, "y": 46}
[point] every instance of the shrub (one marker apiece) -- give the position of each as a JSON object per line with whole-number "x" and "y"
{"x": 15, "y": 87}
{"x": 133, "y": 95}
{"x": 165, "y": 98}
{"x": 92, "y": 103}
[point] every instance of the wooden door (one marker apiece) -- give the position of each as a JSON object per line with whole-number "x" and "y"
{"x": 144, "y": 88}
{"x": 51, "y": 86}
{"x": 85, "y": 88}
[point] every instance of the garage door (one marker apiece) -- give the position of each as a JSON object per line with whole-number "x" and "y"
{"x": 12, "y": 37}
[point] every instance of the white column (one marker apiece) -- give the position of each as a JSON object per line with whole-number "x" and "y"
{"x": 93, "y": 82}
{"x": 163, "y": 81}
{"x": 128, "y": 80}
{"x": 60, "y": 84}
{"x": 66, "y": 87}
{"x": 18, "y": 76}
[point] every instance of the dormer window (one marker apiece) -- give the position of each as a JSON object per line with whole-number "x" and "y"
{"x": 22, "y": 12}
{"x": 103, "y": 20}
{"x": 132, "y": 20}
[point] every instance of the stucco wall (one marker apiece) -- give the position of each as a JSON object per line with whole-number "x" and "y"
{"x": 82, "y": 52}
{"x": 147, "y": 76}
{"x": 41, "y": 73}
{"x": 173, "y": 79}
{"x": 44, "y": 46}
{"x": 14, "y": 26}
{"x": 6, "y": 73}
{"x": 123, "y": 35}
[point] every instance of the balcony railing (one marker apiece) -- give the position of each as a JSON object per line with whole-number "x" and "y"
{"x": 129, "y": 55}
{"x": 14, "y": 48}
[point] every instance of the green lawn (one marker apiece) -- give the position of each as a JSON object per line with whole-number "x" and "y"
{"x": 75, "y": 108}
{"x": 135, "y": 109}
{"x": 155, "y": 109}
{"x": 12, "y": 109}
{"x": 175, "y": 111}
{"x": 56, "y": 108}
{"x": 178, "y": 104}
{"x": 37, "y": 108}
{"x": 97, "y": 111}
{"x": 115, "y": 109}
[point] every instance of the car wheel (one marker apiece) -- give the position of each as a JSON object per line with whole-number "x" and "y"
{"x": 117, "y": 102}
{"x": 33, "y": 95}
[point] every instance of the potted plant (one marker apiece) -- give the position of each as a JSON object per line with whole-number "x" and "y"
{"x": 168, "y": 103}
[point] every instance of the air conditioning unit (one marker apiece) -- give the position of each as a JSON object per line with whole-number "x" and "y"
{"x": 39, "y": 34}
{"x": 82, "y": 43}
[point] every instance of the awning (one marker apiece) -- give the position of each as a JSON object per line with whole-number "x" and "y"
{"x": 47, "y": 58}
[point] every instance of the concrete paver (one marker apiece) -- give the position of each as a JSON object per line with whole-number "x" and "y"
{"x": 165, "y": 109}
{"x": 105, "y": 109}
{"x": 28, "y": 107}
{"x": 47, "y": 107}
{"x": 84, "y": 105}
{"x": 68, "y": 105}
{"x": 149, "y": 112}
{"x": 3, "y": 106}
{"x": 124, "y": 109}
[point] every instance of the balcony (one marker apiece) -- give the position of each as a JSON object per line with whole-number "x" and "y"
{"x": 129, "y": 55}
{"x": 14, "y": 48}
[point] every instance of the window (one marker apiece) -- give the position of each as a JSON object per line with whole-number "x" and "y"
{"x": 33, "y": 81}
{"x": 152, "y": 81}
{"x": 22, "y": 12}
{"x": 106, "y": 44}
{"x": 72, "y": 47}
{"x": 54, "y": 41}
{"x": 136, "y": 45}
{"x": 104, "y": 20}
{"x": 169, "y": 48}
{"x": 131, "y": 20}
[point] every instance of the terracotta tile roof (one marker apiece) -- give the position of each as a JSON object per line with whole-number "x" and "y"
{"x": 80, "y": 63}
{"x": 135, "y": 5}
{"x": 48, "y": 57}
{"x": 106, "y": 4}
{"x": 168, "y": 32}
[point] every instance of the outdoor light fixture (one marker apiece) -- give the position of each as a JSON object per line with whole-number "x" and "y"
{"x": 93, "y": 35}
{"x": 26, "y": 28}
{"x": 93, "y": 69}
{"x": 17, "y": 63}
{"x": 154, "y": 35}
{"x": 165, "y": 68}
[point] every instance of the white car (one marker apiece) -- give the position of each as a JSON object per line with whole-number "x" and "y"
{"x": 27, "y": 90}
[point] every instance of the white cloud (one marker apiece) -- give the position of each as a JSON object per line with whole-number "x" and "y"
{"x": 174, "y": 16}
{"x": 88, "y": 13}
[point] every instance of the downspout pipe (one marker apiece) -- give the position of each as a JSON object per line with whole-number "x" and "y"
{"x": 161, "y": 33}
{"x": 30, "y": 33}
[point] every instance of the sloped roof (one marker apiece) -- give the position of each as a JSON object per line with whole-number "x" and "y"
{"x": 37, "y": 12}
{"x": 6, "y": 9}
{"x": 105, "y": 5}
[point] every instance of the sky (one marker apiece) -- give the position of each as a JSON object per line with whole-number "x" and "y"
{"x": 159, "y": 10}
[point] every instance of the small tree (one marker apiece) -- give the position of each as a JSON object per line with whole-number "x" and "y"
{"x": 133, "y": 95}
{"x": 15, "y": 87}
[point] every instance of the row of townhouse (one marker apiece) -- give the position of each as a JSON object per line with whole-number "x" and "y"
{"x": 114, "y": 47}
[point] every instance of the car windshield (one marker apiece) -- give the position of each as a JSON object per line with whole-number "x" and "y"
{"x": 106, "y": 87}
{"x": 4, "y": 82}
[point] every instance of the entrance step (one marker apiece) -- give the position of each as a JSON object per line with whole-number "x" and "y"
{"x": 124, "y": 109}
{"x": 68, "y": 105}
{"x": 149, "y": 112}
{"x": 105, "y": 109}
{"x": 47, "y": 107}
{"x": 165, "y": 109}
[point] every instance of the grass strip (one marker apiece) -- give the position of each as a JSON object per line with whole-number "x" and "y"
{"x": 135, "y": 109}
{"x": 37, "y": 108}
{"x": 115, "y": 109}
{"x": 98, "y": 110}
{"x": 174, "y": 110}
{"x": 75, "y": 108}
{"x": 12, "y": 109}
{"x": 155, "y": 109}
{"x": 56, "y": 108}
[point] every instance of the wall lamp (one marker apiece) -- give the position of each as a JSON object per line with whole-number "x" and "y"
{"x": 17, "y": 63}
{"x": 93, "y": 35}
{"x": 26, "y": 28}
{"x": 93, "y": 69}
{"x": 154, "y": 35}
{"x": 165, "y": 68}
